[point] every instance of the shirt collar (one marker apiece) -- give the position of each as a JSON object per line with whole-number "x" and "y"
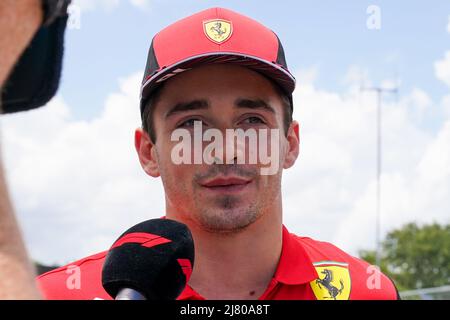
{"x": 294, "y": 266}
{"x": 189, "y": 294}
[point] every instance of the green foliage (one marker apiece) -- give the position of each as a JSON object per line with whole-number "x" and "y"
{"x": 415, "y": 257}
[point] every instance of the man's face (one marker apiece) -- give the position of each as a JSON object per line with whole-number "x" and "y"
{"x": 222, "y": 196}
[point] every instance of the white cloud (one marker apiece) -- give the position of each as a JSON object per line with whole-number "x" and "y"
{"x": 442, "y": 69}
{"x": 448, "y": 24}
{"x": 307, "y": 76}
{"x": 77, "y": 185}
{"x": 445, "y": 104}
{"x": 90, "y": 5}
{"x": 142, "y": 4}
{"x": 330, "y": 192}
{"x": 356, "y": 76}
{"x": 419, "y": 102}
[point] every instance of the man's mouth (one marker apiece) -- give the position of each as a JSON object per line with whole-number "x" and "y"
{"x": 226, "y": 184}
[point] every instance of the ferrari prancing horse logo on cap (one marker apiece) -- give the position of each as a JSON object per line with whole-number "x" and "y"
{"x": 218, "y": 30}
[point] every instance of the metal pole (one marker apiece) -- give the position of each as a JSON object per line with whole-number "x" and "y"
{"x": 378, "y": 218}
{"x": 379, "y": 91}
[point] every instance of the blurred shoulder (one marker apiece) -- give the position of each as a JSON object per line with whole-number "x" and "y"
{"x": 79, "y": 280}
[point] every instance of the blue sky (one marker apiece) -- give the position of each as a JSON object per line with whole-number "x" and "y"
{"x": 330, "y": 35}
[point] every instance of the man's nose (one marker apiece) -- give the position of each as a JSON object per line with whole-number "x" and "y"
{"x": 231, "y": 150}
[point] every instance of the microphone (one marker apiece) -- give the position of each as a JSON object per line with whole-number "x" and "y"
{"x": 152, "y": 260}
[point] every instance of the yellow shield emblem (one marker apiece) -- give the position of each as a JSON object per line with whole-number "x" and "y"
{"x": 334, "y": 281}
{"x": 218, "y": 30}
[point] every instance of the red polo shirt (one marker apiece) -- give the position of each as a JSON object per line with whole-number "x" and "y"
{"x": 307, "y": 269}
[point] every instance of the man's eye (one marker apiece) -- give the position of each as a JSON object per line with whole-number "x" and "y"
{"x": 253, "y": 120}
{"x": 189, "y": 123}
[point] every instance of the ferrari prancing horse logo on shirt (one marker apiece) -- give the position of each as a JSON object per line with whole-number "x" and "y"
{"x": 334, "y": 281}
{"x": 218, "y": 30}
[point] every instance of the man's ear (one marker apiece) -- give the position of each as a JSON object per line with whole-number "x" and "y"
{"x": 146, "y": 152}
{"x": 293, "y": 145}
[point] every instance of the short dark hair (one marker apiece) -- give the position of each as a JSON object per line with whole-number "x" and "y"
{"x": 149, "y": 106}
{"x": 147, "y": 113}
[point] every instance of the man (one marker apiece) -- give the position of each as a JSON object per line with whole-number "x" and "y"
{"x": 211, "y": 72}
{"x": 23, "y": 88}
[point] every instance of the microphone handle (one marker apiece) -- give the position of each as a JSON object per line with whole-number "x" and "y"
{"x": 129, "y": 294}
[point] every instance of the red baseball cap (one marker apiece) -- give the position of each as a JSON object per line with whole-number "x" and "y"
{"x": 211, "y": 36}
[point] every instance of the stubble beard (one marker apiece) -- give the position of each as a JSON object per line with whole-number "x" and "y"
{"x": 227, "y": 215}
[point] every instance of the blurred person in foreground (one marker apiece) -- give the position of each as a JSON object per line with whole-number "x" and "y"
{"x": 31, "y": 38}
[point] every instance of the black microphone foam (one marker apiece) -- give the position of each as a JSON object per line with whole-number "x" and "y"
{"x": 155, "y": 258}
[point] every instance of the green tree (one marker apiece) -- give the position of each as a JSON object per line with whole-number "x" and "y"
{"x": 415, "y": 257}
